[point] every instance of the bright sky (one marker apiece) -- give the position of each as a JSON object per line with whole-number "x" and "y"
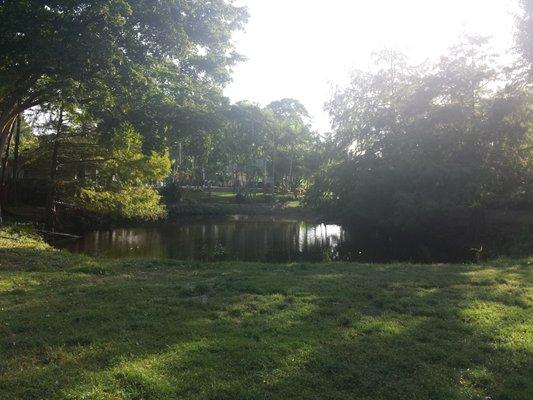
{"x": 302, "y": 48}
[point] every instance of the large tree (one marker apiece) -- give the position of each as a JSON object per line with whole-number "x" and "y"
{"x": 99, "y": 51}
{"x": 421, "y": 147}
{"x": 293, "y": 142}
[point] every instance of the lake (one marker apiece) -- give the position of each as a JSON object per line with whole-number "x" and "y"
{"x": 254, "y": 238}
{"x": 244, "y": 238}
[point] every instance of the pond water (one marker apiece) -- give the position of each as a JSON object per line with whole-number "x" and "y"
{"x": 208, "y": 239}
{"x": 247, "y": 238}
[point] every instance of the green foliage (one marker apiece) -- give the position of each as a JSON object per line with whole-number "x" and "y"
{"x": 114, "y": 67}
{"x": 108, "y": 44}
{"x": 292, "y": 145}
{"x": 264, "y": 144}
{"x": 150, "y": 65}
{"x": 106, "y": 176}
{"x": 125, "y": 163}
{"x": 421, "y": 148}
{"x": 136, "y": 202}
{"x": 524, "y": 35}
{"x": 123, "y": 187}
{"x": 172, "y": 192}
{"x": 268, "y": 143}
{"x": 248, "y": 133}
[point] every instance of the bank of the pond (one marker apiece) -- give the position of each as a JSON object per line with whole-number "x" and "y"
{"x": 217, "y": 209}
{"x": 73, "y": 327}
{"x": 198, "y": 203}
{"x": 221, "y": 203}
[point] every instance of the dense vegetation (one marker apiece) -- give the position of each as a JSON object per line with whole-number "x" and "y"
{"x": 134, "y": 111}
{"x": 98, "y": 68}
{"x": 431, "y": 146}
{"x": 72, "y": 327}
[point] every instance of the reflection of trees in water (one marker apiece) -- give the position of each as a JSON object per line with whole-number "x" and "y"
{"x": 246, "y": 239}
{"x": 124, "y": 242}
{"x": 378, "y": 246}
{"x": 275, "y": 240}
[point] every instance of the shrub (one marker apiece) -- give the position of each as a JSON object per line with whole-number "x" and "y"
{"x": 131, "y": 203}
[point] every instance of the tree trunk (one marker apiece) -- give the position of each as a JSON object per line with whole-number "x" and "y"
{"x": 50, "y": 203}
{"x": 16, "y": 159}
{"x": 6, "y": 156}
{"x": 265, "y": 175}
{"x": 6, "y": 129}
{"x": 5, "y": 136}
{"x": 290, "y": 174}
{"x": 11, "y": 105}
{"x": 273, "y": 174}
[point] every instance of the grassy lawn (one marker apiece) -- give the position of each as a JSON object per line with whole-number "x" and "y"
{"x": 229, "y": 198}
{"x": 76, "y": 328}
{"x": 224, "y": 203}
{"x": 215, "y": 197}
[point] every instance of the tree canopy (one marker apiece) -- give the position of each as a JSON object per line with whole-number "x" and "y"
{"x": 524, "y": 34}
{"x": 150, "y": 64}
{"x": 112, "y": 53}
{"x": 420, "y": 147}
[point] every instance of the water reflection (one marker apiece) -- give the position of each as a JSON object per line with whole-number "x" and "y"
{"x": 237, "y": 238}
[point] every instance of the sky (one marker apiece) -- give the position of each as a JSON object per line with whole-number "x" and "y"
{"x": 304, "y": 48}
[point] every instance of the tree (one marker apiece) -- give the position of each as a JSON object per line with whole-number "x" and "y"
{"x": 420, "y": 148}
{"x": 290, "y": 109}
{"x": 101, "y": 176}
{"x": 110, "y": 54}
{"x": 524, "y": 35}
{"x": 123, "y": 186}
{"x": 246, "y": 133}
{"x": 293, "y": 142}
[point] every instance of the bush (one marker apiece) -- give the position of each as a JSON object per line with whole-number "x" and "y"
{"x": 172, "y": 193}
{"x": 131, "y": 203}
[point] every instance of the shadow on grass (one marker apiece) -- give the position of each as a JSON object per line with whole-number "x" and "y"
{"x": 79, "y": 329}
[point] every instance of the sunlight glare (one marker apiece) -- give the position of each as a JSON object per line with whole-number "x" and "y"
{"x": 313, "y": 45}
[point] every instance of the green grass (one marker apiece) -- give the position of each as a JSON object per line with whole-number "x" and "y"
{"x": 229, "y": 198}
{"x": 293, "y": 204}
{"x": 214, "y": 198}
{"x": 224, "y": 203}
{"x": 72, "y": 327}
